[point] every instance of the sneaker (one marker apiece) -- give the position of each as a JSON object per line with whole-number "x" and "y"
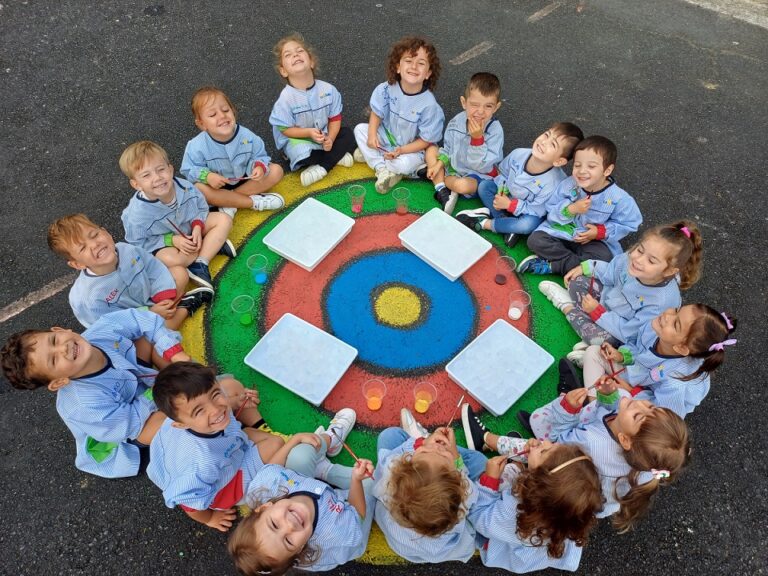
{"x": 194, "y": 299}
{"x": 580, "y": 345}
{"x": 421, "y": 172}
{"x": 525, "y": 419}
{"x": 347, "y": 161}
{"x": 338, "y": 429}
{"x": 511, "y": 239}
{"x": 535, "y": 265}
{"x": 357, "y": 156}
{"x": 577, "y": 357}
{"x": 228, "y": 249}
{"x": 447, "y": 199}
{"x": 556, "y": 294}
{"x": 514, "y": 434}
{"x": 410, "y": 425}
{"x": 569, "y": 377}
{"x": 313, "y": 174}
{"x": 474, "y": 218}
{"x": 199, "y": 274}
{"x": 474, "y": 430}
{"x": 267, "y": 201}
{"x": 229, "y": 211}
{"x": 385, "y": 180}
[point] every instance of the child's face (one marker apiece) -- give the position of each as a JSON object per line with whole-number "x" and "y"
{"x": 632, "y": 414}
{"x": 549, "y": 148}
{"x": 414, "y": 68}
{"x": 155, "y": 179}
{"x": 673, "y": 327}
{"x": 539, "y": 453}
{"x": 94, "y": 250}
{"x": 204, "y": 414}
{"x": 588, "y": 170}
{"x": 295, "y": 60}
{"x": 436, "y": 454}
{"x": 217, "y": 118}
{"x": 285, "y": 526}
{"x": 59, "y": 356}
{"x": 649, "y": 260}
{"x": 480, "y": 108}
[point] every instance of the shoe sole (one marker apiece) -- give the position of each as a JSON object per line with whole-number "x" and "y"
{"x": 475, "y": 213}
{"x": 450, "y": 205}
{"x": 511, "y": 243}
{"x": 467, "y": 427}
{"x": 228, "y": 249}
{"x": 525, "y": 422}
{"x": 577, "y": 357}
{"x": 544, "y": 287}
{"x": 200, "y": 290}
{"x": 200, "y": 281}
{"x": 565, "y": 369}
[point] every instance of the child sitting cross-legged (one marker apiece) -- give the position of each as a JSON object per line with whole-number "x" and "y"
{"x": 102, "y": 384}
{"x": 168, "y": 216}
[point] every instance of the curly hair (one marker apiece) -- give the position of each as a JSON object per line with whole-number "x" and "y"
{"x": 557, "y": 507}
{"x": 14, "y": 357}
{"x": 410, "y": 45}
{"x": 277, "y": 52}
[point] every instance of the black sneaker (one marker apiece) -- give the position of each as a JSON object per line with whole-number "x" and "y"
{"x": 511, "y": 239}
{"x": 474, "y": 430}
{"x": 193, "y": 299}
{"x": 447, "y": 199}
{"x": 199, "y": 273}
{"x": 514, "y": 434}
{"x": 525, "y": 419}
{"x": 228, "y": 249}
{"x": 474, "y": 218}
{"x": 422, "y": 172}
{"x": 569, "y": 377}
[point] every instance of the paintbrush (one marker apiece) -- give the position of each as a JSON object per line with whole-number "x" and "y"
{"x": 348, "y": 449}
{"x": 178, "y": 229}
{"x": 453, "y": 414}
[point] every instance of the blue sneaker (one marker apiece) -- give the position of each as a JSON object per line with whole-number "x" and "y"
{"x": 228, "y": 249}
{"x": 535, "y": 265}
{"x": 199, "y": 274}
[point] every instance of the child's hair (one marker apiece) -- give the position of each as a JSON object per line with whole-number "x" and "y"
{"x": 66, "y": 232}
{"x": 686, "y": 239}
{"x": 203, "y": 95}
{"x": 484, "y": 82}
{"x": 277, "y": 51}
{"x": 246, "y": 551}
{"x": 573, "y": 135}
{"x": 411, "y": 45}
{"x": 662, "y": 446}
{"x": 188, "y": 379}
{"x": 14, "y": 357}
{"x": 137, "y": 154}
{"x": 601, "y": 146}
{"x": 707, "y": 337}
{"x": 429, "y": 500}
{"x": 559, "y": 506}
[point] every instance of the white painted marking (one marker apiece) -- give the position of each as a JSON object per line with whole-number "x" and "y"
{"x": 50, "y": 289}
{"x": 752, "y": 11}
{"x": 546, "y": 11}
{"x": 473, "y": 52}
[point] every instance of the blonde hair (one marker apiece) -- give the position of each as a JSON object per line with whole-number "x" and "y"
{"x": 67, "y": 231}
{"x": 137, "y": 154}
{"x": 688, "y": 249}
{"x": 205, "y": 94}
{"x": 277, "y": 52}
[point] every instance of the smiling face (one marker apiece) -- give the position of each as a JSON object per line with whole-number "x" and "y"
{"x": 94, "y": 250}
{"x": 549, "y": 148}
{"x": 285, "y": 527}
{"x": 630, "y": 417}
{"x": 207, "y": 413}
{"x": 295, "y": 60}
{"x": 673, "y": 327}
{"x": 155, "y": 179}
{"x": 414, "y": 70}
{"x": 480, "y": 108}
{"x": 588, "y": 170}
{"x": 539, "y": 453}
{"x": 649, "y": 260}
{"x": 217, "y": 118}
{"x": 60, "y": 355}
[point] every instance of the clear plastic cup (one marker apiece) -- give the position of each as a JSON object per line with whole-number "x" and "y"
{"x": 374, "y": 391}
{"x": 424, "y": 394}
{"x": 519, "y": 300}
{"x": 401, "y": 196}
{"x": 243, "y": 306}
{"x": 257, "y": 264}
{"x": 505, "y": 267}
{"x": 356, "y": 198}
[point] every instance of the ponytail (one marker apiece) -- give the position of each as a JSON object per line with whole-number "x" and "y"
{"x": 685, "y": 236}
{"x": 707, "y": 337}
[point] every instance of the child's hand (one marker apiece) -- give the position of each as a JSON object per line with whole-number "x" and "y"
{"x": 392, "y": 154}
{"x": 434, "y": 169}
{"x": 197, "y": 237}
{"x": 610, "y": 353}
{"x": 580, "y": 206}
{"x": 362, "y": 469}
{"x": 532, "y": 443}
{"x": 574, "y": 272}
{"x": 222, "y": 520}
{"x": 258, "y": 172}
{"x": 373, "y": 141}
{"x": 501, "y": 202}
{"x": 576, "y": 397}
{"x": 249, "y": 397}
{"x": 449, "y": 439}
{"x": 306, "y": 438}
{"x": 216, "y": 181}
{"x": 586, "y": 236}
{"x": 606, "y": 385}
{"x": 164, "y": 309}
{"x": 620, "y": 383}
{"x": 495, "y": 466}
{"x": 327, "y": 144}
{"x": 588, "y": 303}
{"x": 475, "y": 128}
{"x": 317, "y": 135}
{"x": 184, "y": 244}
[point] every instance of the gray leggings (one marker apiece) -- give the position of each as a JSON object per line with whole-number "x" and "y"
{"x": 589, "y": 332}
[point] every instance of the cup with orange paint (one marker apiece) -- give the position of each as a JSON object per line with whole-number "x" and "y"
{"x": 424, "y": 394}
{"x": 374, "y": 391}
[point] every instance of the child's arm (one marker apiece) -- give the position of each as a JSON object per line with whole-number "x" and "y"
{"x": 304, "y": 133}
{"x": 485, "y": 146}
{"x": 558, "y": 207}
{"x": 334, "y": 119}
{"x": 194, "y": 166}
{"x": 374, "y": 122}
{"x": 161, "y": 282}
{"x": 133, "y": 324}
{"x": 356, "y": 494}
{"x": 258, "y": 163}
{"x": 333, "y": 130}
{"x": 280, "y": 456}
{"x": 494, "y": 514}
{"x": 624, "y": 219}
{"x": 221, "y": 520}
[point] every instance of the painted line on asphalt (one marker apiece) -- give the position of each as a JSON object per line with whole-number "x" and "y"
{"x": 546, "y": 11}
{"x": 473, "y": 52}
{"x": 50, "y": 289}
{"x": 751, "y": 11}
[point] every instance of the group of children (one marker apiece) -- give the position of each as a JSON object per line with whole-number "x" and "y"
{"x": 134, "y": 400}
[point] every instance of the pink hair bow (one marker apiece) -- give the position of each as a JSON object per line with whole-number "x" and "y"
{"x": 727, "y": 320}
{"x": 684, "y": 230}
{"x": 720, "y": 345}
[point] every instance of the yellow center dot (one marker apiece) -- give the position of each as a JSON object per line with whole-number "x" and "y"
{"x": 397, "y": 306}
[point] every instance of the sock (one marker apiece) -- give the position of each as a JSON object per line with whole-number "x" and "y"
{"x": 322, "y": 468}
{"x": 439, "y": 186}
{"x": 202, "y": 260}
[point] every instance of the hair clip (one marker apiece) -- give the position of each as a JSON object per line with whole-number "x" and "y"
{"x": 684, "y": 230}
{"x": 659, "y": 474}
{"x": 720, "y": 345}
{"x": 727, "y": 321}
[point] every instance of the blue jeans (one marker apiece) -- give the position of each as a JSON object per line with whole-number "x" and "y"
{"x": 502, "y": 222}
{"x": 304, "y": 458}
{"x": 391, "y": 438}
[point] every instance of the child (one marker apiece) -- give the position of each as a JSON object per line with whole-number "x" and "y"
{"x": 616, "y": 298}
{"x": 670, "y": 359}
{"x": 636, "y": 447}
{"x": 306, "y": 119}
{"x": 514, "y": 201}
{"x": 587, "y": 215}
{"x": 226, "y": 161}
{"x": 405, "y": 117}
{"x": 169, "y": 217}
{"x": 117, "y": 276}
{"x": 472, "y": 146}
{"x": 200, "y": 458}
{"x": 102, "y": 385}
{"x": 544, "y": 520}
{"x": 424, "y": 489}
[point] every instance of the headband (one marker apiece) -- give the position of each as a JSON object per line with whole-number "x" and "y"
{"x": 727, "y": 321}
{"x": 564, "y": 464}
{"x": 684, "y": 230}
{"x": 659, "y": 474}
{"x": 719, "y": 345}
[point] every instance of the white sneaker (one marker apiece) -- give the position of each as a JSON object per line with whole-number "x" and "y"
{"x": 347, "y": 161}
{"x": 338, "y": 429}
{"x": 410, "y": 425}
{"x": 357, "y": 156}
{"x": 267, "y": 201}
{"x": 385, "y": 180}
{"x": 577, "y": 357}
{"x": 229, "y": 211}
{"x": 313, "y": 174}
{"x": 580, "y": 345}
{"x": 556, "y": 294}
